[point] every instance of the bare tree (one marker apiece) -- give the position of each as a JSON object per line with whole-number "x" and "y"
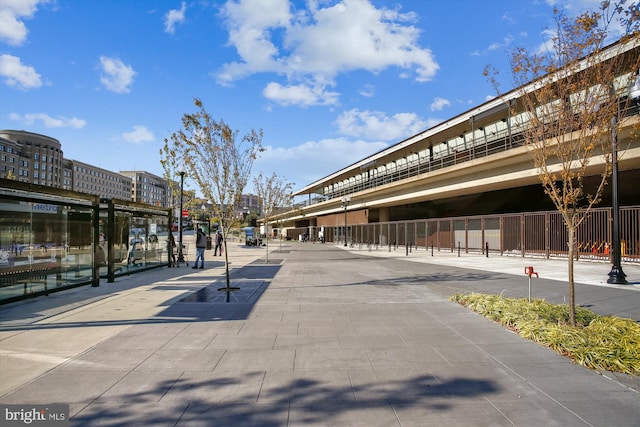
{"x": 218, "y": 161}
{"x": 273, "y": 193}
{"x": 570, "y": 102}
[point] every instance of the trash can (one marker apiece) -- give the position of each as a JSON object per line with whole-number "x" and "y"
{"x": 208, "y": 243}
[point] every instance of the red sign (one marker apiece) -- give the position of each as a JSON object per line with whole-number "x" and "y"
{"x": 185, "y": 213}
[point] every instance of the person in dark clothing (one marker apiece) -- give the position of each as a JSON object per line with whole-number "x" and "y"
{"x": 171, "y": 245}
{"x": 201, "y": 245}
{"x": 218, "y": 244}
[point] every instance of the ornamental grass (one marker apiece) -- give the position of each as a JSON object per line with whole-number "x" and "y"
{"x": 596, "y": 342}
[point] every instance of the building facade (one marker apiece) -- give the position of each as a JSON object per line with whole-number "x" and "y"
{"x": 31, "y": 157}
{"x": 38, "y": 159}
{"x": 86, "y": 178}
{"x": 148, "y": 188}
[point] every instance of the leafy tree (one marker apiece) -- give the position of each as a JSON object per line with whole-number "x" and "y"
{"x": 569, "y": 104}
{"x": 218, "y": 161}
{"x": 273, "y": 192}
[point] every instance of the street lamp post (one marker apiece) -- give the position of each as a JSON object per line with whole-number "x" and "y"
{"x": 345, "y": 206}
{"x": 616, "y": 275}
{"x": 180, "y": 254}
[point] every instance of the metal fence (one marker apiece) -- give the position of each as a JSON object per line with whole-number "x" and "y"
{"x": 532, "y": 234}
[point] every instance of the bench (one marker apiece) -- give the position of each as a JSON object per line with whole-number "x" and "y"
{"x": 23, "y": 276}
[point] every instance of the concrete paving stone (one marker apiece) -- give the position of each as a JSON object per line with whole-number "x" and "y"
{"x": 430, "y": 336}
{"x": 140, "y": 386}
{"x": 307, "y": 342}
{"x": 62, "y": 341}
{"x": 373, "y": 328}
{"x": 183, "y": 312}
{"x": 308, "y": 386}
{"x": 577, "y": 378}
{"x": 516, "y": 353}
{"x": 372, "y": 341}
{"x": 236, "y": 414}
{"x": 536, "y": 411}
{"x": 257, "y": 360}
{"x": 395, "y": 384}
{"x": 306, "y": 315}
{"x": 325, "y": 328}
{"x": 343, "y": 414}
{"x": 17, "y": 369}
{"x": 612, "y": 409}
{"x": 191, "y": 338}
{"x": 260, "y": 327}
{"x": 203, "y": 388}
{"x": 463, "y": 353}
{"x": 154, "y": 327}
{"x": 115, "y": 413}
{"x": 102, "y": 357}
{"x": 393, "y": 357}
{"x": 541, "y": 368}
{"x": 139, "y": 340}
{"x": 331, "y": 359}
{"x": 243, "y": 342}
{"x": 444, "y": 413}
{"x": 66, "y": 385}
{"x": 215, "y": 327}
{"x": 170, "y": 358}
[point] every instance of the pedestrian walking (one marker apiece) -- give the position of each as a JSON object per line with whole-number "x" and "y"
{"x": 218, "y": 243}
{"x": 171, "y": 249}
{"x": 201, "y": 245}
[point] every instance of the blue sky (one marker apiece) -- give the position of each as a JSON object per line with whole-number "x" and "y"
{"x": 328, "y": 81}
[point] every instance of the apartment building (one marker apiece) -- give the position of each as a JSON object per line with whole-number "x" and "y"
{"x": 30, "y": 157}
{"x": 86, "y": 178}
{"x": 148, "y": 188}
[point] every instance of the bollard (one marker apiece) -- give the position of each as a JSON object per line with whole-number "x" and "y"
{"x": 406, "y": 245}
{"x": 487, "y": 250}
{"x": 458, "y": 249}
{"x": 432, "y": 249}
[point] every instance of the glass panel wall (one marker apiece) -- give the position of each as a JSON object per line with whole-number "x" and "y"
{"x": 138, "y": 240}
{"x": 46, "y": 240}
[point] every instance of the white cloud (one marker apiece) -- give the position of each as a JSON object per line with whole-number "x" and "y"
{"x": 376, "y": 125}
{"x": 138, "y": 135}
{"x": 299, "y": 95}
{"x": 367, "y": 91}
{"x": 319, "y": 43}
{"x": 174, "y": 17}
{"x": 312, "y": 160}
{"x": 12, "y": 13}
{"x": 48, "y": 121}
{"x": 116, "y": 75}
{"x": 18, "y": 75}
{"x": 503, "y": 44}
{"x": 439, "y": 103}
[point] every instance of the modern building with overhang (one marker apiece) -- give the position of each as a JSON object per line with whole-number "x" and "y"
{"x": 476, "y": 163}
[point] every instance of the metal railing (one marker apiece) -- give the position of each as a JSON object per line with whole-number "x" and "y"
{"x": 530, "y": 234}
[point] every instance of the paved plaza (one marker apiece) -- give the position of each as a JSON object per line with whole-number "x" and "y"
{"x": 313, "y": 335}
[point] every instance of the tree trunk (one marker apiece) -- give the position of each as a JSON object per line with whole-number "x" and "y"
{"x": 226, "y": 265}
{"x": 571, "y": 229}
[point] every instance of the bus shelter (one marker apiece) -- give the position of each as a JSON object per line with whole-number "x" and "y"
{"x": 47, "y": 236}
{"x": 132, "y": 237}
